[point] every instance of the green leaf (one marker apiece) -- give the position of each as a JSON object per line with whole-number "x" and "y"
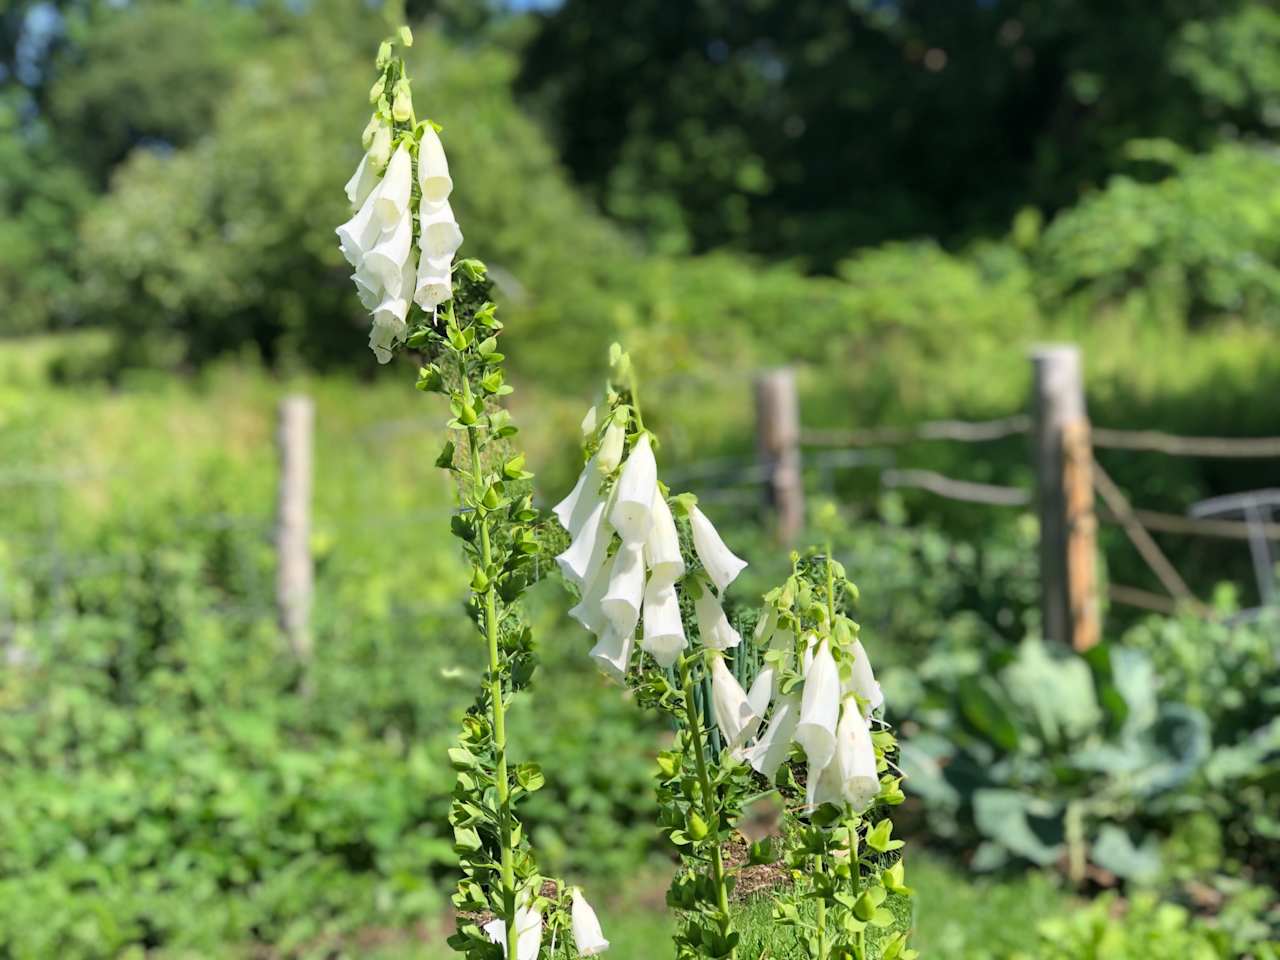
{"x": 530, "y": 776}
{"x": 445, "y": 460}
{"x": 878, "y": 838}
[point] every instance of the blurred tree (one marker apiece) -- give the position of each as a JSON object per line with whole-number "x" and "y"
{"x": 809, "y": 128}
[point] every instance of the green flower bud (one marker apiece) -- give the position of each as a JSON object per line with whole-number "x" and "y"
{"x": 371, "y": 128}
{"x": 378, "y": 88}
{"x": 380, "y": 149}
{"x": 402, "y": 108}
{"x": 384, "y": 55}
{"x": 479, "y": 582}
{"x": 697, "y": 826}
{"x": 405, "y": 35}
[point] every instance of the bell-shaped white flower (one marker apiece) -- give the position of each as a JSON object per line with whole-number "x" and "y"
{"x": 387, "y": 258}
{"x": 664, "y": 637}
{"x": 433, "y": 168}
{"x": 368, "y": 289}
{"x": 587, "y": 611}
{"x": 441, "y": 236}
{"x": 733, "y": 714}
{"x": 389, "y": 314}
{"x": 434, "y": 283}
{"x": 622, "y": 601}
{"x": 584, "y": 556}
{"x": 662, "y": 548}
{"x": 851, "y": 776}
{"x": 720, "y": 563}
{"x": 587, "y": 935}
{"x": 360, "y": 234}
{"x": 863, "y": 681}
{"x": 819, "y": 708}
{"x": 612, "y": 652}
{"x": 611, "y": 446}
{"x": 775, "y": 743}
{"x": 633, "y": 497}
{"x": 577, "y": 505}
{"x": 361, "y": 183}
{"x": 391, "y": 203}
{"x": 528, "y": 931}
{"x": 760, "y": 695}
{"x": 382, "y": 341}
{"x": 713, "y": 626}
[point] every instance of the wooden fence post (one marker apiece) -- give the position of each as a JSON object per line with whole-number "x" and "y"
{"x": 778, "y": 449}
{"x": 294, "y": 574}
{"x": 1064, "y": 496}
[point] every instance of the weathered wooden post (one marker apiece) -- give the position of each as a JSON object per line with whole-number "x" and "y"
{"x": 294, "y": 574}
{"x": 1064, "y": 496}
{"x": 778, "y": 449}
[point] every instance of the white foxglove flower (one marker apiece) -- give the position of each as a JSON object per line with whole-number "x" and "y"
{"x": 633, "y": 496}
{"x": 733, "y": 714}
{"x": 528, "y": 931}
{"x": 379, "y": 145}
{"x": 611, "y": 446}
{"x": 589, "y": 422}
{"x": 368, "y": 289}
{"x": 391, "y": 196}
{"x": 713, "y": 625}
{"x": 358, "y": 235}
{"x": 664, "y": 637}
{"x": 361, "y": 183}
{"x": 612, "y": 652}
{"x": 434, "y": 284}
{"x": 441, "y": 236}
{"x": 662, "y": 548}
{"x": 588, "y": 550}
{"x": 387, "y": 258}
{"x": 775, "y": 743}
{"x": 761, "y": 693}
{"x": 433, "y": 168}
{"x": 389, "y": 325}
{"x": 587, "y": 935}
{"x": 588, "y": 611}
{"x": 819, "y": 709}
{"x": 863, "y": 682}
{"x": 622, "y": 601}
{"x": 720, "y": 563}
{"x": 851, "y": 776}
{"x": 574, "y": 509}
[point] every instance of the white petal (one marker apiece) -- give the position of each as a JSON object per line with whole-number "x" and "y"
{"x": 391, "y": 196}
{"x": 663, "y": 629}
{"x": 587, "y": 935}
{"x": 774, "y": 744}
{"x": 361, "y": 183}
{"x": 636, "y": 489}
{"x": 588, "y": 550}
{"x": 819, "y": 708}
{"x": 718, "y": 560}
{"x": 863, "y": 682}
{"x": 729, "y": 706}
{"x": 611, "y": 446}
{"x": 441, "y": 235}
{"x": 528, "y": 931}
{"x": 621, "y": 603}
{"x": 387, "y": 258}
{"x": 573, "y": 510}
{"x": 358, "y": 235}
{"x": 612, "y": 652}
{"x": 713, "y": 625}
{"x": 434, "y": 284}
{"x": 859, "y": 782}
{"x": 761, "y": 692}
{"x": 662, "y": 548}
{"x": 589, "y": 422}
{"x": 368, "y": 289}
{"x": 433, "y": 168}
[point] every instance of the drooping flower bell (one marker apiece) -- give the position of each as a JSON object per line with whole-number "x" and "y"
{"x": 733, "y": 714}
{"x": 393, "y": 193}
{"x": 361, "y": 183}
{"x": 819, "y": 709}
{"x": 433, "y": 168}
{"x": 713, "y": 625}
{"x": 441, "y": 236}
{"x": 622, "y": 601}
{"x": 771, "y": 749}
{"x": 587, "y": 935}
{"x": 863, "y": 682}
{"x": 664, "y": 637}
{"x": 589, "y": 548}
{"x": 850, "y": 777}
{"x": 612, "y": 652}
{"x": 528, "y": 931}
{"x": 632, "y": 511}
{"x": 573, "y": 510}
{"x": 718, "y": 560}
{"x": 662, "y": 548}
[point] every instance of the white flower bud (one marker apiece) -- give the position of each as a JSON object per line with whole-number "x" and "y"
{"x": 662, "y": 548}
{"x": 587, "y": 935}
{"x": 528, "y": 931}
{"x": 729, "y": 707}
{"x": 819, "y": 709}
{"x": 633, "y": 498}
{"x": 720, "y": 563}
{"x": 588, "y": 550}
{"x": 775, "y": 743}
{"x": 361, "y": 183}
{"x": 713, "y": 625}
{"x": 621, "y": 603}
{"x": 441, "y": 236}
{"x": 589, "y": 422}
{"x": 611, "y": 446}
{"x": 433, "y": 168}
{"x": 664, "y": 637}
{"x": 612, "y": 652}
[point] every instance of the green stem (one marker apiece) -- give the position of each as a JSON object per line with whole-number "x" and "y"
{"x": 822, "y": 914}
{"x": 499, "y": 708}
{"x": 708, "y": 799}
